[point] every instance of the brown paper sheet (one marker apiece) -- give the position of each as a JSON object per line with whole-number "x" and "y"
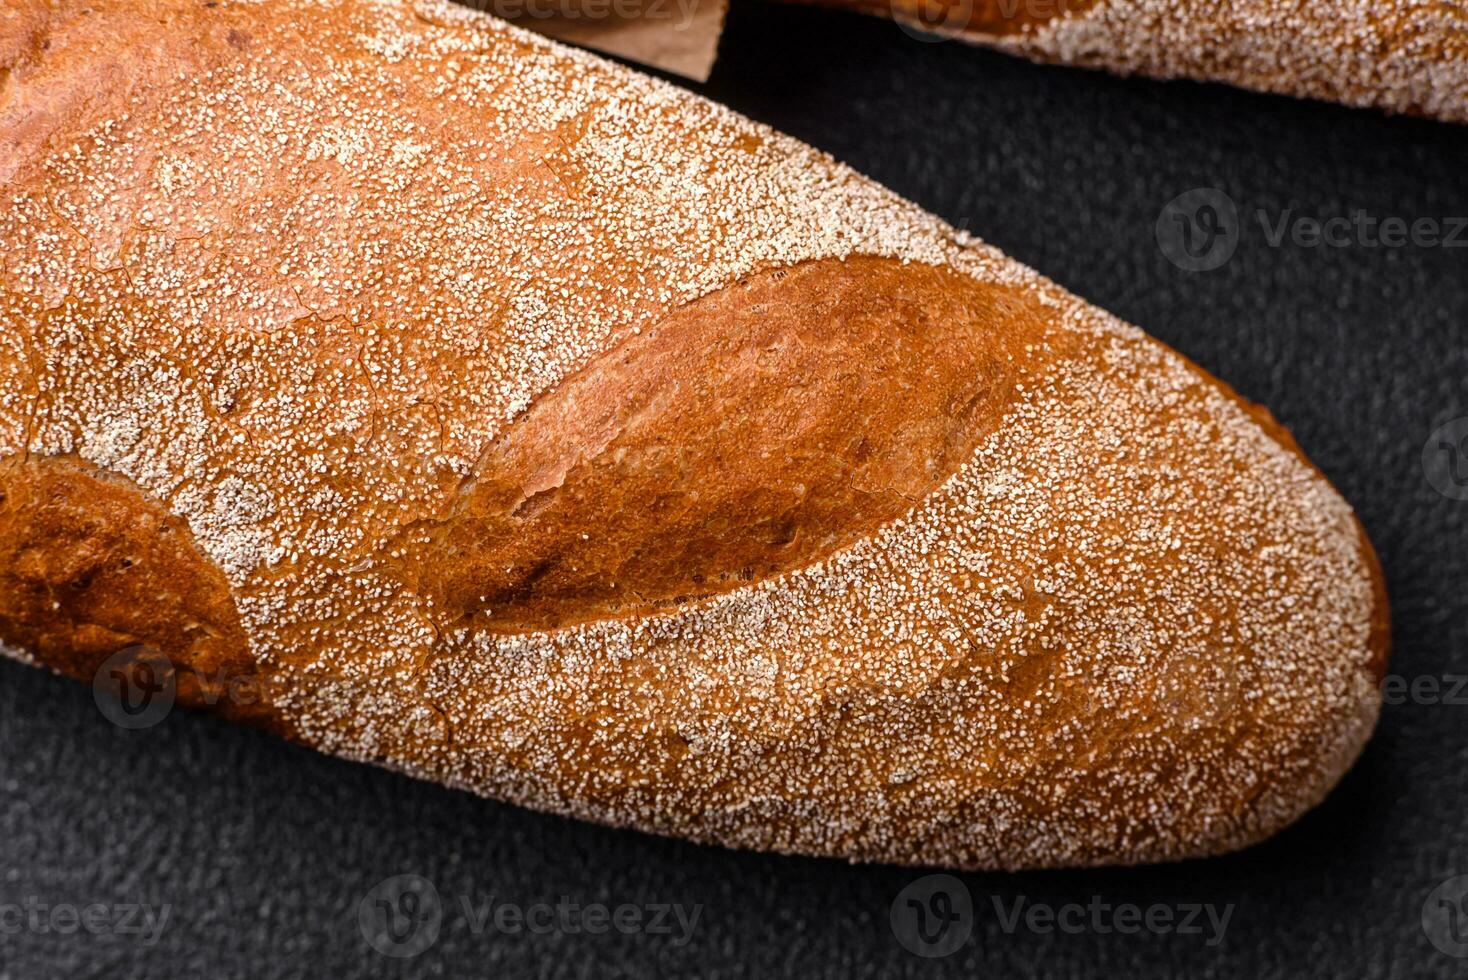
{"x": 679, "y": 36}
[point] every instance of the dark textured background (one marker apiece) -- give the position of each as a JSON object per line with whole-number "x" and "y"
{"x": 264, "y": 850}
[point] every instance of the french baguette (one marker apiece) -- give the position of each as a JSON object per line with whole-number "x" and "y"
{"x": 440, "y": 397}
{"x": 1402, "y": 56}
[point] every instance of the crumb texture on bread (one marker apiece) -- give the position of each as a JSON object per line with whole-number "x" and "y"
{"x": 556, "y": 434}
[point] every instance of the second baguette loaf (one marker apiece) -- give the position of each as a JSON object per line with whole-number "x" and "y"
{"x": 1404, "y": 56}
{"x": 439, "y": 397}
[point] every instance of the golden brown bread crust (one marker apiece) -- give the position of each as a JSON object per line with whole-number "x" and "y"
{"x": 1404, "y": 56}
{"x": 534, "y": 427}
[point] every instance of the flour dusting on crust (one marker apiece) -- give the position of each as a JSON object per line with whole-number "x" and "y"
{"x": 1408, "y": 56}
{"x": 298, "y": 283}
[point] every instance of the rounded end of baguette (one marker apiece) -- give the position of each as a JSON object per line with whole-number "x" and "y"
{"x": 1378, "y": 619}
{"x": 1339, "y": 706}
